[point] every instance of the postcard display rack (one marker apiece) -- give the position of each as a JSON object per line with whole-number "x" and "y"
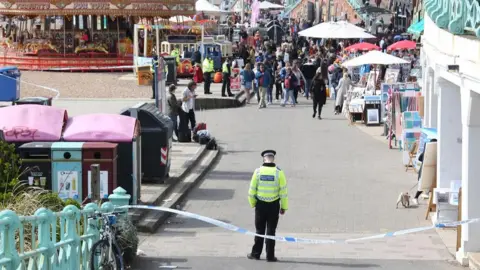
{"x": 402, "y": 97}
{"x": 353, "y": 105}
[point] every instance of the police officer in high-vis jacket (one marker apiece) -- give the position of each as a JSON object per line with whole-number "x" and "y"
{"x": 268, "y": 194}
{"x": 226, "y": 73}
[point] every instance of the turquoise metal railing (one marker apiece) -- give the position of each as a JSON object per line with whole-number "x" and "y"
{"x": 457, "y": 16}
{"x": 60, "y": 240}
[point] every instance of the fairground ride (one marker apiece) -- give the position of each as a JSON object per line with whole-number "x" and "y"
{"x": 78, "y": 35}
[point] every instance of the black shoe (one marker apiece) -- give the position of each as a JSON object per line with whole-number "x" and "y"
{"x": 152, "y": 98}
{"x": 223, "y": 95}
{"x": 208, "y": 93}
{"x": 273, "y": 259}
{"x": 231, "y": 95}
{"x": 252, "y": 257}
{"x": 313, "y": 116}
{"x": 319, "y": 117}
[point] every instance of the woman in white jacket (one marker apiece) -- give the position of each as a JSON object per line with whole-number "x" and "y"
{"x": 343, "y": 86}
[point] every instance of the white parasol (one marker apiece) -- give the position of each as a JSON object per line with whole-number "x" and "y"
{"x": 339, "y": 30}
{"x": 269, "y": 5}
{"x": 180, "y": 19}
{"x": 207, "y": 8}
{"x": 374, "y": 57}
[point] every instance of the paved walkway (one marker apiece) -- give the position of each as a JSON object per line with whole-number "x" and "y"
{"x": 76, "y": 106}
{"x": 342, "y": 184}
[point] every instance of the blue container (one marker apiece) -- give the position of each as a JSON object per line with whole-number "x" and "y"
{"x": 9, "y": 83}
{"x": 67, "y": 170}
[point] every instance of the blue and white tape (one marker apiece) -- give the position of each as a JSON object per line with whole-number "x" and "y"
{"x": 237, "y": 229}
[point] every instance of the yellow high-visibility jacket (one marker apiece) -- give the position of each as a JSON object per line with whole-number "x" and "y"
{"x": 268, "y": 184}
{"x": 176, "y": 54}
{"x": 206, "y": 66}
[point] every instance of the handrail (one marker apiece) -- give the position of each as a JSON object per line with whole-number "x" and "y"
{"x": 457, "y": 16}
{"x": 61, "y": 240}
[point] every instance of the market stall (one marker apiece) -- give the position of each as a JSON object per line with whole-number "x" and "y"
{"x": 364, "y": 101}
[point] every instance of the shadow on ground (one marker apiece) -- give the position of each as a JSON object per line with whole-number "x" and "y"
{"x": 229, "y": 175}
{"x": 217, "y": 194}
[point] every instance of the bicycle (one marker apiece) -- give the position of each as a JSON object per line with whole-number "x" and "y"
{"x": 105, "y": 253}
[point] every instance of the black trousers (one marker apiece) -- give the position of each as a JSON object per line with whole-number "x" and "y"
{"x": 419, "y": 192}
{"x": 266, "y": 220}
{"x": 295, "y": 93}
{"x": 338, "y": 108}
{"x": 319, "y": 105}
{"x": 208, "y": 80}
{"x": 226, "y": 84}
{"x": 185, "y": 118}
{"x": 278, "y": 90}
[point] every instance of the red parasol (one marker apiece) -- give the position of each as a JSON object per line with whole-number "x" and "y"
{"x": 403, "y": 45}
{"x": 362, "y": 46}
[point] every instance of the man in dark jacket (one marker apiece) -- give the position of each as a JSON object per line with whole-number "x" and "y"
{"x": 308, "y": 69}
{"x": 196, "y": 57}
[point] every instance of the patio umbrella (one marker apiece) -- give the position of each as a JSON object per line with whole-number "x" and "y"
{"x": 362, "y": 46}
{"x": 268, "y": 5}
{"x": 374, "y": 58}
{"x": 340, "y": 30}
{"x": 180, "y": 19}
{"x": 207, "y": 8}
{"x": 403, "y": 45}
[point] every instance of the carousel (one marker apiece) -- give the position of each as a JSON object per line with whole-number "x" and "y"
{"x": 76, "y": 35}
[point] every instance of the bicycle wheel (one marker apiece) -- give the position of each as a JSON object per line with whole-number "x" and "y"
{"x": 100, "y": 259}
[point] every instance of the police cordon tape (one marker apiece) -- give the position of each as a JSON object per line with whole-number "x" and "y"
{"x": 237, "y": 229}
{"x": 36, "y": 85}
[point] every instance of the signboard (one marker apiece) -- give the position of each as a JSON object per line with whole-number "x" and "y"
{"x": 103, "y": 184}
{"x": 67, "y": 184}
{"x": 235, "y": 80}
{"x": 143, "y": 61}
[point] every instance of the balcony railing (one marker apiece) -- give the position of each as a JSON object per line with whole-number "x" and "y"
{"x": 457, "y": 16}
{"x": 356, "y": 6}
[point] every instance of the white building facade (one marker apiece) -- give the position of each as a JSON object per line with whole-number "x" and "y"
{"x": 451, "y": 85}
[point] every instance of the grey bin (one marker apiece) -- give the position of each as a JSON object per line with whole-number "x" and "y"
{"x": 156, "y": 132}
{"x": 37, "y": 163}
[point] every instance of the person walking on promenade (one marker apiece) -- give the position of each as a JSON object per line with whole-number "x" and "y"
{"x": 247, "y": 81}
{"x": 268, "y": 195}
{"x": 319, "y": 93}
{"x": 308, "y": 70}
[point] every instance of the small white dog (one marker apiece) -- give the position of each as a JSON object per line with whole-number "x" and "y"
{"x": 404, "y": 198}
